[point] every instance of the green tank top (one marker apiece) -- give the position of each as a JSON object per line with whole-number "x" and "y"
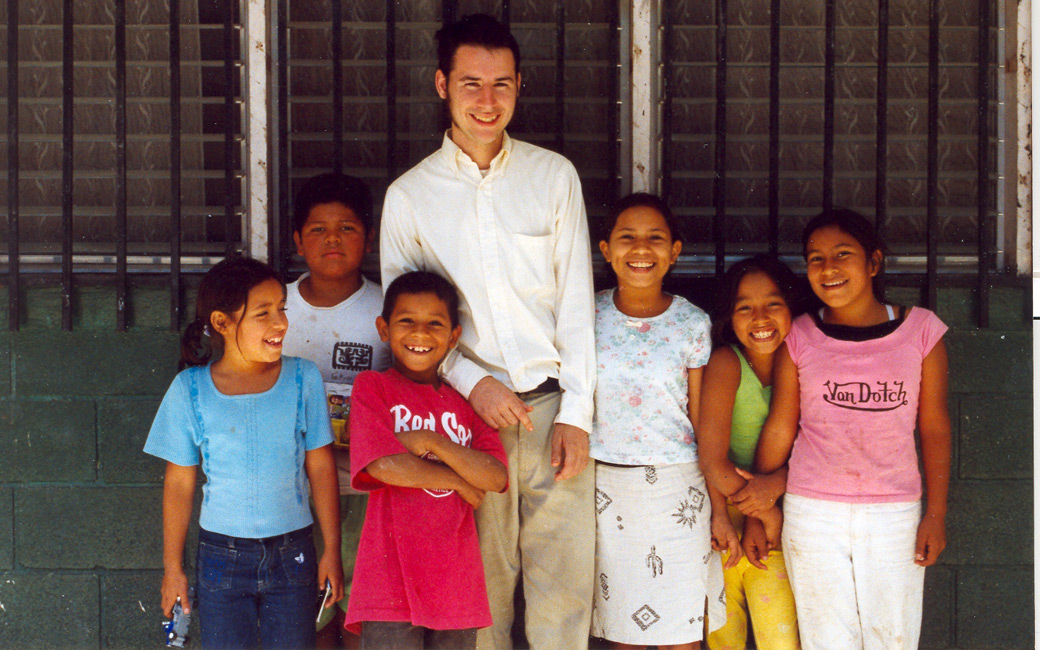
{"x": 750, "y": 408}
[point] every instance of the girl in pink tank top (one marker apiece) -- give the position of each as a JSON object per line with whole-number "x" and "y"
{"x": 850, "y": 385}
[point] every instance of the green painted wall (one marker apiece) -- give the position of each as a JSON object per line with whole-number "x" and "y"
{"x": 80, "y": 504}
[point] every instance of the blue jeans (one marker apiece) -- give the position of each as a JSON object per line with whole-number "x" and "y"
{"x": 257, "y": 592}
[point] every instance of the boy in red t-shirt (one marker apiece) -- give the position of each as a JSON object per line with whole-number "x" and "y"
{"x": 427, "y": 460}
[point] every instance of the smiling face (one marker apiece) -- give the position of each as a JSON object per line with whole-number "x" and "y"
{"x": 481, "y": 92}
{"x": 333, "y": 242}
{"x": 841, "y": 273}
{"x": 641, "y": 248}
{"x": 254, "y": 333}
{"x": 761, "y": 318}
{"x": 420, "y": 335}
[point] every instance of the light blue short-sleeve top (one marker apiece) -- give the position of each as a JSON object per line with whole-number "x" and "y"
{"x": 251, "y": 447}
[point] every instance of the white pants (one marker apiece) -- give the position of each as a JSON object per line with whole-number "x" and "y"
{"x": 853, "y": 574}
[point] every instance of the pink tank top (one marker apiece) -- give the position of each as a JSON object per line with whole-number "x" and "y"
{"x": 859, "y": 400}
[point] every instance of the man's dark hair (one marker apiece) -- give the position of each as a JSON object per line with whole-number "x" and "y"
{"x": 475, "y": 29}
{"x": 352, "y": 192}
{"x": 422, "y": 282}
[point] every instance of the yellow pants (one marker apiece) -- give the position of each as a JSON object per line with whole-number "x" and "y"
{"x": 767, "y": 596}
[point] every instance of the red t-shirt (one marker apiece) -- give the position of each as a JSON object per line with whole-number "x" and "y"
{"x": 418, "y": 560}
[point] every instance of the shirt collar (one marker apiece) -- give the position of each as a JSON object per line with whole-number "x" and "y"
{"x": 458, "y": 160}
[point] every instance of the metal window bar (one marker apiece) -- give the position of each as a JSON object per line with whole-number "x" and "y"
{"x": 121, "y": 232}
{"x": 830, "y": 30}
{"x": 561, "y": 66}
{"x": 881, "y": 161}
{"x": 667, "y": 53}
{"x": 229, "y": 129}
{"x": 449, "y": 11}
{"x": 337, "y": 85}
{"x": 719, "y": 186}
{"x": 774, "y": 127}
{"x": 985, "y": 227}
{"x": 13, "y": 280}
{"x": 66, "y": 164}
{"x": 391, "y": 91}
{"x": 175, "y": 165}
{"x": 284, "y": 257}
{"x": 614, "y": 114}
{"x": 931, "y": 235}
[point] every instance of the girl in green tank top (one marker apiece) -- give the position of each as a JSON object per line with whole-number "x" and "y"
{"x": 754, "y": 304}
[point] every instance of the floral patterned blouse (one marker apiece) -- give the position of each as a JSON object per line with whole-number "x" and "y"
{"x": 641, "y": 415}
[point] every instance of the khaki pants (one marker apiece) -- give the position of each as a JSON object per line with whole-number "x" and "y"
{"x": 543, "y": 531}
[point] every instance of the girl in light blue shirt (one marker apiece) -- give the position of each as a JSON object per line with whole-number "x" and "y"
{"x": 257, "y": 424}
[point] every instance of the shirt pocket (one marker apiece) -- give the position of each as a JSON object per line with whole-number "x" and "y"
{"x": 530, "y": 263}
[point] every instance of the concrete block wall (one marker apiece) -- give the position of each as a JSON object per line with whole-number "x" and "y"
{"x": 80, "y": 504}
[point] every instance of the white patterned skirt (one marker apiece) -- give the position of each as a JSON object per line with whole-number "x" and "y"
{"x": 655, "y": 567}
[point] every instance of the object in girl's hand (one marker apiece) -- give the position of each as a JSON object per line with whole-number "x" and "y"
{"x": 176, "y": 629}
{"x": 323, "y": 601}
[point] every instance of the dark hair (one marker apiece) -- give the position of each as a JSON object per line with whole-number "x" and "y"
{"x": 475, "y": 29}
{"x": 224, "y": 288}
{"x": 422, "y": 282}
{"x": 859, "y": 228}
{"x": 352, "y": 192}
{"x": 637, "y": 200}
{"x": 726, "y": 293}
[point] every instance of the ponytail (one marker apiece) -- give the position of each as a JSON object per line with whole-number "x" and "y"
{"x": 196, "y": 346}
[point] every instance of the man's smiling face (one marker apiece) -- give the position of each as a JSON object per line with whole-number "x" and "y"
{"x": 481, "y": 92}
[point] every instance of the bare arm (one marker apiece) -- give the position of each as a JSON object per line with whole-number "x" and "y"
{"x": 751, "y": 493}
{"x": 320, "y": 465}
{"x": 774, "y": 445}
{"x": 721, "y": 379}
{"x": 481, "y": 470}
{"x": 178, "y": 494}
{"x": 723, "y": 535}
{"x": 933, "y": 423}
{"x": 408, "y": 470}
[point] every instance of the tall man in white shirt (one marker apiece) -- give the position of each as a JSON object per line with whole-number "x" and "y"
{"x": 505, "y": 222}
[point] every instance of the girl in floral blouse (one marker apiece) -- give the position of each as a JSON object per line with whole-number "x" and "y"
{"x": 656, "y": 528}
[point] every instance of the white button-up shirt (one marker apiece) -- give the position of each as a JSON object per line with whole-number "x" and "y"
{"x": 515, "y": 241}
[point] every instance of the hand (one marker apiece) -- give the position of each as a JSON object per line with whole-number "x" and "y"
{"x": 330, "y": 568}
{"x": 760, "y": 493}
{"x": 570, "y": 450}
{"x": 418, "y": 442}
{"x": 174, "y": 586}
{"x": 498, "y": 406}
{"x": 773, "y": 521}
{"x": 724, "y": 538}
{"x": 471, "y": 495}
{"x": 754, "y": 542}
{"x": 931, "y": 539}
